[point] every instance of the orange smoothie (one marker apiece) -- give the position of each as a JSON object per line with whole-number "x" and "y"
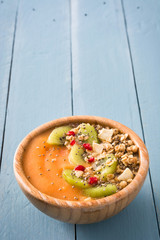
{"x": 80, "y": 162}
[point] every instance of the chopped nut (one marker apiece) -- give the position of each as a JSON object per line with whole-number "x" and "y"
{"x": 120, "y": 148}
{"x": 122, "y": 138}
{"x": 128, "y": 149}
{"x": 107, "y": 146}
{"x": 115, "y": 131}
{"x": 118, "y": 154}
{"x": 124, "y": 159}
{"x": 119, "y": 170}
{"x": 127, "y": 174}
{"x": 105, "y": 134}
{"x": 134, "y": 148}
{"x": 68, "y": 146}
{"x": 98, "y": 127}
{"x": 112, "y": 181}
{"x": 126, "y": 135}
{"x": 66, "y": 142}
{"x": 116, "y": 179}
{"x": 81, "y": 137}
{"x": 123, "y": 184}
{"x": 100, "y": 156}
{"x": 70, "y": 138}
{"x": 78, "y": 173}
{"x": 99, "y": 168}
{"x": 98, "y": 148}
{"x": 75, "y": 130}
{"x": 129, "y": 180}
{"x": 110, "y": 176}
{"x": 130, "y": 142}
{"x": 110, "y": 151}
{"x": 132, "y": 160}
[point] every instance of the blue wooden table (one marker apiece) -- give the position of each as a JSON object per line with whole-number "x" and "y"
{"x": 79, "y": 57}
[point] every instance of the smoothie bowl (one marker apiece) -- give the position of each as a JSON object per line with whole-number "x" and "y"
{"x": 81, "y": 169}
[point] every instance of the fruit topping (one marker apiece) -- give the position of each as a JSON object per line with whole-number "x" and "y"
{"x": 93, "y": 180}
{"x": 87, "y": 129}
{"x": 71, "y": 133}
{"x": 87, "y": 146}
{"x": 75, "y": 155}
{"x": 57, "y": 136}
{"x": 80, "y": 168}
{"x": 72, "y": 142}
{"x": 90, "y": 160}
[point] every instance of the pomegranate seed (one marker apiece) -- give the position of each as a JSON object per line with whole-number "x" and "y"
{"x": 93, "y": 180}
{"x": 72, "y": 142}
{"x": 87, "y": 146}
{"x": 71, "y": 133}
{"x": 80, "y": 168}
{"x": 91, "y": 159}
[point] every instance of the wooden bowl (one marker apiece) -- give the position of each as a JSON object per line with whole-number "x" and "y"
{"x": 81, "y": 211}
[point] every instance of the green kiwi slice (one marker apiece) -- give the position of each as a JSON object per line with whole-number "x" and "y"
{"x": 57, "y": 136}
{"x": 70, "y": 178}
{"x": 87, "y": 129}
{"x": 75, "y": 155}
{"x": 102, "y": 191}
{"x": 107, "y": 169}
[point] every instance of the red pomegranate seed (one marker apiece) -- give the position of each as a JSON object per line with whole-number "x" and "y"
{"x": 71, "y": 133}
{"x": 80, "y": 168}
{"x": 91, "y": 159}
{"x": 87, "y": 146}
{"x": 93, "y": 180}
{"x": 72, "y": 142}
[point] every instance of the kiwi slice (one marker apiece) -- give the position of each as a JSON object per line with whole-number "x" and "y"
{"x": 102, "y": 191}
{"x": 57, "y": 136}
{"x": 108, "y": 169}
{"x": 75, "y": 155}
{"x": 87, "y": 129}
{"x": 73, "y": 180}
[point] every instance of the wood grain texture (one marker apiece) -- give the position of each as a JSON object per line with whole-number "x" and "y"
{"x": 143, "y": 25}
{"x": 40, "y": 91}
{"x": 103, "y": 85}
{"x": 81, "y": 211}
{"x": 7, "y": 29}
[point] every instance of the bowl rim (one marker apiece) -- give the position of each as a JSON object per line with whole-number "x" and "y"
{"x": 28, "y": 188}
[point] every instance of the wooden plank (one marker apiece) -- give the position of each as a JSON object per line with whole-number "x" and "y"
{"x": 103, "y": 85}
{"x": 7, "y": 28}
{"x": 143, "y": 24}
{"x": 40, "y": 91}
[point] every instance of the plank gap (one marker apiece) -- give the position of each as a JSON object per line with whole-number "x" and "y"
{"x": 72, "y": 109}
{"x": 75, "y": 229}
{"x": 139, "y": 108}
{"x": 70, "y": 12}
{"x": 9, "y": 83}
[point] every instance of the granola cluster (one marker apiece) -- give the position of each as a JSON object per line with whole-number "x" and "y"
{"x": 112, "y": 145}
